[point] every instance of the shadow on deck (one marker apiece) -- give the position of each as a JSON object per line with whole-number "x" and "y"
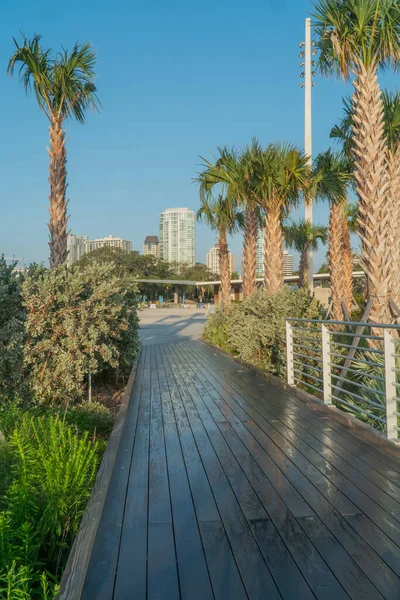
{"x": 226, "y": 487}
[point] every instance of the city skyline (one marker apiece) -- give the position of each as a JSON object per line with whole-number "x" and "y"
{"x": 112, "y": 182}
{"x": 212, "y": 260}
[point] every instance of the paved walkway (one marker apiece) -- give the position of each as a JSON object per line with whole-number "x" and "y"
{"x": 227, "y": 488}
{"x": 161, "y": 325}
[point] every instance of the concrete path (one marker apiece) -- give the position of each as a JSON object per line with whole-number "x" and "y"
{"x": 163, "y": 325}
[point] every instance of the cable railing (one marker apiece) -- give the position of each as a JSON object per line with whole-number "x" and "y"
{"x": 354, "y": 366}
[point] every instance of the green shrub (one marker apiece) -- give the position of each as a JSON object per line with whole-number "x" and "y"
{"x": 53, "y": 470}
{"x": 255, "y": 329}
{"x": 12, "y": 318}
{"x": 78, "y": 321}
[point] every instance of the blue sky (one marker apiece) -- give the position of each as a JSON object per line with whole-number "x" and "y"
{"x": 176, "y": 79}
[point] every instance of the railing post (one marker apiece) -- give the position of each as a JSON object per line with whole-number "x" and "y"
{"x": 289, "y": 353}
{"x": 326, "y": 370}
{"x": 390, "y": 387}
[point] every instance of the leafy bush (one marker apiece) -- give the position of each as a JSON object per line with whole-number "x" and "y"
{"x": 78, "y": 321}
{"x": 12, "y": 317}
{"x": 255, "y": 329}
{"x": 53, "y": 470}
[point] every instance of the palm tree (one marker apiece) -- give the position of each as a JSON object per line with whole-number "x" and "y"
{"x": 281, "y": 174}
{"x": 332, "y": 176}
{"x": 359, "y": 37}
{"x": 349, "y": 225}
{"x": 343, "y": 132}
{"x": 232, "y": 174}
{"x": 64, "y": 88}
{"x": 304, "y": 237}
{"x": 222, "y": 215}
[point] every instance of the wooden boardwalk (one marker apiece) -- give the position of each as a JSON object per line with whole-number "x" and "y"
{"x": 225, "y": 487}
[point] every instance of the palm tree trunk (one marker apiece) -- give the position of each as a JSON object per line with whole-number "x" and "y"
{"x": 372, "y": 188}
{"x": 249, "y": 258}
{"x": 347, "y": 265}
{"x": 335, "y": 256}
{"x": 224, "y": 269}
{"x": 273, "y": 253}
{"x": 393, "y": 220}
{"x": 303, "y": 268}
{"x": 58, "y": 187}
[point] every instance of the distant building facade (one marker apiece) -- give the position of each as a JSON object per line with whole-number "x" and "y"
{"x": 79, "y": 245}
{"x": 212, "y": 260}
{"x": 76, "y": 246}
{"x": 151, "y": 246}
{"x": 287, "y": 258}
{"x": 177, "y": 236}
{"x": 109, "y": 242}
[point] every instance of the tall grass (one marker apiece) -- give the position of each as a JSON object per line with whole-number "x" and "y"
{"x": 52, "y": 468}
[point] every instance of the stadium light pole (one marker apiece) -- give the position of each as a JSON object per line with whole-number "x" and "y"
{"x": 307, "y": 52}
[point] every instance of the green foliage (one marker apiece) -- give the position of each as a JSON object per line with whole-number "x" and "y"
{"x": 255, "y": 329}
{"x": 53, "y": 470}
{"x": 78, "y": 320}
{"x": 12, "y": 317}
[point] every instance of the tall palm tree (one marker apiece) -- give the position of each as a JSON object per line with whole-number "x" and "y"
{"x": 343, "y": 132}
{"x": 231, "y": 174}
{"x": 303, "y": 237}
{"x": 359, "y": 37}
{"x": 223, "y": 216}
{"x": 64, "y": 88}
{"x": 332, "y": 176}
{"x": 281, "y": 175}
{"x": 349, "y": 225}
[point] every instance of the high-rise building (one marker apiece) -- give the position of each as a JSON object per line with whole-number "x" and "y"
{"x": 177, "y": 236}
{"x": 212, "y": 260}
{"x": 76, "y": 246}
{"x": 151, "y": 246}
{"x": 287, "y": 258}
{"x": 109, "y": 242}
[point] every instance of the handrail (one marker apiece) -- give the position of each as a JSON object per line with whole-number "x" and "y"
{"x": 341, "y": 382}
{"x": 347, "y": 323}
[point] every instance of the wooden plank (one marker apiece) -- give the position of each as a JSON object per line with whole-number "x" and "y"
{"x": 275, "y": 552}
{"x": 162, "y": 575}
{"x": 193, "y": 574}
{"x": 224, "y": 573}
{"x": 131, "y": 577}
{"x": 365, "y": 451}
{"x": 159, "y": 497}
{"x": 73, "y": 579}
{"x": 254, "y": 573}
{"x": 366, "y": 559}
{"x": 203, "y": 499}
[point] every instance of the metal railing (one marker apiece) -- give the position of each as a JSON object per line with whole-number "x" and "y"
{"x": 354, "y": 366}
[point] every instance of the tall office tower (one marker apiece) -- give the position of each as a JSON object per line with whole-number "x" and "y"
{"x": 287, "y": 258}
{"x": 151, "y": 246}
{"x": 76, "y": 246}
{"x": 109, "y": 242}
{"x": 212, "y": 260}
{"x": 177, "y": 236}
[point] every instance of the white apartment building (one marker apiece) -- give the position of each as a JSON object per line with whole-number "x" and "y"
{"x": 177, "y": 236}
{"x": 151, "y": 246}
{"x": 287, "y": 258}
{"x": 212, "y": 260}
{"x": 109, "y": 242}
{"x": 76, "y": 246}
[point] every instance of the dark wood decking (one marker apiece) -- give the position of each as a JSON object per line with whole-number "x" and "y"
{"x": 226, "y": 487}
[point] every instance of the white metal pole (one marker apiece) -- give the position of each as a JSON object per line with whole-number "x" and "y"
{"x": 390, "y": 386}
{"x": 308, "y": 209}
{"x": 326, "y": 370}
{"x": 289, "y": 353}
